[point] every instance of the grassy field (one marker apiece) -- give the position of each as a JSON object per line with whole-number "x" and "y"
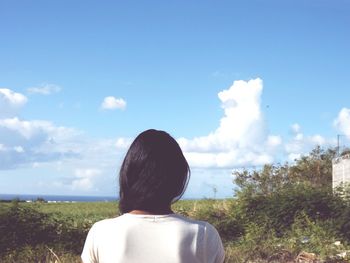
{"x": 55, "y": 232}
{"x": 80, "y": 216}
{"x": 66, "y": 219}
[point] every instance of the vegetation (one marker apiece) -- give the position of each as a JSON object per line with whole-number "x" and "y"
{"x": 280, "y": 213}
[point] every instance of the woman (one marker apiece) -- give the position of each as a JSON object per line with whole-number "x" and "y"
{"x": 154, "y": 174}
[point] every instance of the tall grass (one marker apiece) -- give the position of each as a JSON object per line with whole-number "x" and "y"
{"x": 55, "y": 232}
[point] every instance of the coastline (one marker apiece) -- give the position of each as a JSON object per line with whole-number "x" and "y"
{"x": 56, "y": 198}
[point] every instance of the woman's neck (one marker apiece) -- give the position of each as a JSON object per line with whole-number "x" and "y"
{"x": 145, "y": 212}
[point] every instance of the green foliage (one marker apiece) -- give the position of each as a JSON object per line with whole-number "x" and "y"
{"x": 293, "y": 207}
{"x": 313, "y": 236}
{"x": 22, "y": 225}
{"x": 259, "y": 241}
{"x": 39, "y": 254}
{"x": 314, "y": 169}
{"x": 223, "y": 217}
{"x": 40, "y": 200}
{"x": 279, "y": 208}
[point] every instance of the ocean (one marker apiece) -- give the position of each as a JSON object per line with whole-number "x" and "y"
{"x": 58, "y": 198}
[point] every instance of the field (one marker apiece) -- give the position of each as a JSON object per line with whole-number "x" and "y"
{"x": 71, "y": 221}
{"x": 55, "y": 232}
{"x": 281, "y": 213}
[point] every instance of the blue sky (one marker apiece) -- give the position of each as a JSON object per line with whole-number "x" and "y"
{"x": 237, "y": 83}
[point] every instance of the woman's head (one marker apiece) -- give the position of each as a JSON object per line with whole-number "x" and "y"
{"x": 154, "y": 173}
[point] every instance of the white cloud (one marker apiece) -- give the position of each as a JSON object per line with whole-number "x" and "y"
{"x": 45, "y": 89}
{"x": 241, "y": 138}
{"x": 84, "y": 179}
{"x": 295, "y": 128}
{"x": 342, "y": 122}
{"x": 35, "y": 141}
{"x": 293, "y": 156}
{"x": 23, "y": 142}
{"x": 18, "y": 149}
{"x": 12, "y": 97}
{"x": 87, "y": 173}
{"x": 82, "y": 184}
{"x": 32, "y": 130}
{"x": 2, "y": 147}
{"x": 40, "y": 144}
{"x": 10, "y": 102}
{"x": 274, "y": 140}
{"x": 318, "y": 140}
{"x": 300, "y": 144}
{"x": 123, "y": 143}
{"x": 111, "y": 103}
{"x": 26, "y": 129}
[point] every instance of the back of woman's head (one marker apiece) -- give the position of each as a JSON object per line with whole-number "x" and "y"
{"x": 154, "y": 173}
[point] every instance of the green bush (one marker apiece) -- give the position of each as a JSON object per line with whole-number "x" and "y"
{"x": 313, "y": 236}
{"x": 278, "y": 209}
{"x": 258, "y": 242}
{"x": 39, "y": 254}
{"x": 225, "y": 220}
{"x": 22, "y": 226}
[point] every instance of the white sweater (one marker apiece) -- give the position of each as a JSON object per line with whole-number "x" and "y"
{"x": 172, "y": 238}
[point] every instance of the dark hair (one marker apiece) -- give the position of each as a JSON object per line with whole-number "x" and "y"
{"x": 154, "y": 173}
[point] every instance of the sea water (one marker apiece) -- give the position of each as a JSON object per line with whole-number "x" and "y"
{"x": 58, "y": 198}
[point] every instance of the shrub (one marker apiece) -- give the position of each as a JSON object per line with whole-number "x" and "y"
{"x": 22, "y": 226}
{"x": 278, "y": 209}
{"x": 223, "y": 217}
{"x": 39, "y": 254}
{"x": 313, "y": 236}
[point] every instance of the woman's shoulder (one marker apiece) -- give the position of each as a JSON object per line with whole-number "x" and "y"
{"x": 195, "y": 221}
{"x": 172, "y": 220}
{"x": 107, "y": 223}
{"x": 208, "y": 239}
{"x": 203, "y": 227}
{"x": 192, "y": 221}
